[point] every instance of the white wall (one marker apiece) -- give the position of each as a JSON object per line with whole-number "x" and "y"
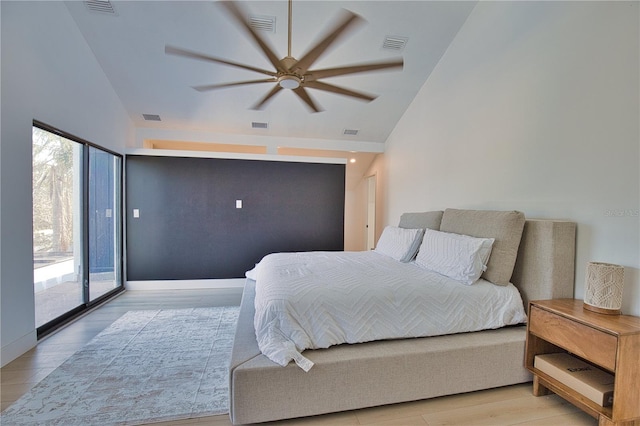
{"x": 534, "y": 107}
{"x": 48, "y": 74}
{"x": 353, "y": 219}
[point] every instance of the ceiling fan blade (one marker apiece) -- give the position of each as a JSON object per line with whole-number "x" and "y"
{"x": 347, "y": 21}
{"x": 304, "y": 95}
{"x": 207, "y": 87}
{"x": 177, "y": 51}
{"x": 332, "y": 72}
{"x": 239, "y": 15}
{"x": 339, "y": 90}
{"x": 268, "y": 97}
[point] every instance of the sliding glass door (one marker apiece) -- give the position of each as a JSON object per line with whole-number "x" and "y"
{"x": 57, "y": 227}
{"x": 77, "y": 225}
{"x": 104, "y": 226}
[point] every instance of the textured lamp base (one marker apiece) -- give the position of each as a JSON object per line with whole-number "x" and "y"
{"x": 598, "y": 310}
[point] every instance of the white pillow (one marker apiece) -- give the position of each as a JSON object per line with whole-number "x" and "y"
{"x": 460, "y": 257}
{"x": 399, "y": 243}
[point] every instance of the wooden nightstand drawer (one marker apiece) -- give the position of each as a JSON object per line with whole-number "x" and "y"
{"x": 580, "y": 339}
{"x": 611, "y": 341}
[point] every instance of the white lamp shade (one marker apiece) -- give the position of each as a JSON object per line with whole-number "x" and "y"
{"x": 604, "y": 284}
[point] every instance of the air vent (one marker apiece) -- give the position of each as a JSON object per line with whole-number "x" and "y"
{"x": 151, "y": 117}
{"x": 350, "y": 132}
{"x": 394, "y": 43}
{"x": 100, "y": 6}
{"x": 258, "y": 125}
{"x": 263, "y": 23}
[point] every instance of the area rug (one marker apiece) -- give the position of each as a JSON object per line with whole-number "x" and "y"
{"x": 146, "y": 367}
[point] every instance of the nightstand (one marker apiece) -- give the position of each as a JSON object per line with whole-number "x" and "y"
{"x": 611, "y": 342}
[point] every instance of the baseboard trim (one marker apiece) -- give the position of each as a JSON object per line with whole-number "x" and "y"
{"x": 18, "y": 347}
{"x": 184, "y": 284}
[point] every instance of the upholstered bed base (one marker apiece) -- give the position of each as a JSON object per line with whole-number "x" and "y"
{"x": 348, "y": 377}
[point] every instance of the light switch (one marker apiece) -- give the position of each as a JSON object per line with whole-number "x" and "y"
{"x": 238, "y": 204}
{"x": 136, "y": 213}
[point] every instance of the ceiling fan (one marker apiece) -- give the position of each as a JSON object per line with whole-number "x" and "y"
{"x": 291, "y": 73}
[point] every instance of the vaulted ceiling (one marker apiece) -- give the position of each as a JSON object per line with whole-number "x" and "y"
{"x": 129, "y": 44}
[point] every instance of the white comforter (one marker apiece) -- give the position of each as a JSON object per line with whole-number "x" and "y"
{"x": 318, "y": 299}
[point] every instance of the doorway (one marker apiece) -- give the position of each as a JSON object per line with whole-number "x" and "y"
{"x": 371, "y": 212}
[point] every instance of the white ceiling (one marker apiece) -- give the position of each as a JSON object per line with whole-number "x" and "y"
{"x": 130, "y": 48}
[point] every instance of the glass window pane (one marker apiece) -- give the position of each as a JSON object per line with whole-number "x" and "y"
{"x": 104, "y": 222}
{"x": 57, "y": 226}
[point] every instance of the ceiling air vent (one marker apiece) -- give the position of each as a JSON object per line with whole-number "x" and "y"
{"x": 151, "y": 117}
{"x": 396, "y": 43}
{"x": 263, "y": 23}
{"x": 100, "y": 6}
{"x": 258, "y": 125}
{"x": 350, "y": 132}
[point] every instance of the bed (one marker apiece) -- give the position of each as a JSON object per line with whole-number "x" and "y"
{"x": 350, "y": 376}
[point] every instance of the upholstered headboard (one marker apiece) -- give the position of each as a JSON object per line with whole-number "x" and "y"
{"x": 545, "y": 267}
{"x": 545, "y": 263}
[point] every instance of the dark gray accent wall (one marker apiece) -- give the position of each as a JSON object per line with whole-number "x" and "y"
{"x": 189, "y": 227}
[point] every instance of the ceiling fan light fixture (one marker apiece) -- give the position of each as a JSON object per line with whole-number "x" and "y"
{"x": 289, "y": 81}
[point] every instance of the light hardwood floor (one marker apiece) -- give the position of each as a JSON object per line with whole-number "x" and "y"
{"x": 511, "y": 405}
